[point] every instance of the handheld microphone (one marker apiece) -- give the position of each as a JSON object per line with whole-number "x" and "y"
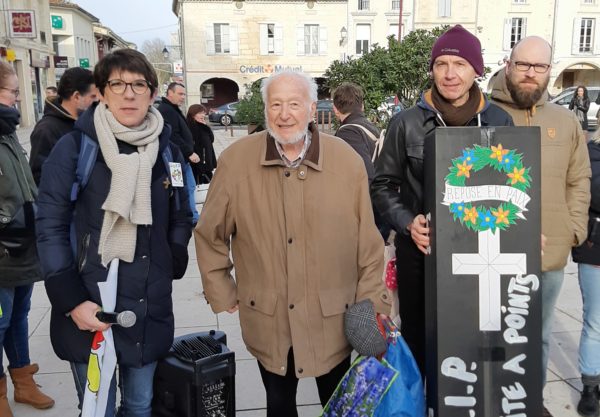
{"x": 124, "y": 319}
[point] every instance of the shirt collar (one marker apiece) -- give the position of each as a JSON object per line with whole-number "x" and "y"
{"x": 312, "y": 157}
{"x": 296, "y": 162}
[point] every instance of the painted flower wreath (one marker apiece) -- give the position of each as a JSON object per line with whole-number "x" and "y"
{"x": 481, "y": 218}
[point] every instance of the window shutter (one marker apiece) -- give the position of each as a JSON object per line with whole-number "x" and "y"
{"x": 263, "y": 33}
{"x": 278, "y": 39}
{"x": 507, "y": 29}
{"x": 210, "y": 40}
{"x": 234, "y": 48}
{"x": 322, "y": 40}
{"x": 596, "y": 37}
{"x": 576, "y": 36}
{"x": 444, "y": 8}
{"x": 300, "y": 40}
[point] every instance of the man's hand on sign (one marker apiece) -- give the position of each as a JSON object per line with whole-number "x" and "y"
{"x": 419, "y": 232}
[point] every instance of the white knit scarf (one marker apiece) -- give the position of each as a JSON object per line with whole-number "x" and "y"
{"x": 129, "y": 199}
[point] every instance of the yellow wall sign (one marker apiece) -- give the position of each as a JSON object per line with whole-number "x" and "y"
{"x": 11, "y": 55}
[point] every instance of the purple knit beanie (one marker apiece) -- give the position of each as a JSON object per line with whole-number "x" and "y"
{"x": 460, "y": 42}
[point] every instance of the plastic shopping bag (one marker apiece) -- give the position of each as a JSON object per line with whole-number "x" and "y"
{"x": 405, "y": 397}
{"x": 361, "y": 389}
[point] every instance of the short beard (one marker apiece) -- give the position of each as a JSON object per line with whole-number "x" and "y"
{"x": 525, "y": 99}
{"x": 298, "y": 137}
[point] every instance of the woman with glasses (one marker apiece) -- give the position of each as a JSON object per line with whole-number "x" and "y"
{"x": 19, "y": 265}
{"x": 580, "y": 104}
{"x": 203, "y": 144}
{"x": 130, "y": 222}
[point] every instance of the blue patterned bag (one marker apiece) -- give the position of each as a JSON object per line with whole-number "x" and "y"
{"x": 361, "y": 389}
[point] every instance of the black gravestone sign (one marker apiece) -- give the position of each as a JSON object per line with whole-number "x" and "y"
{"x": 483, "y": 295}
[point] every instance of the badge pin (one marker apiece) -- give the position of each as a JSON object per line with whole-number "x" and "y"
{"x": 176, "y": 174}
{"x": 551, "y": 132}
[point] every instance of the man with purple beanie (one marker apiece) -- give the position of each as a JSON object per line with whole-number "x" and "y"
{"x": 397, "y": 189}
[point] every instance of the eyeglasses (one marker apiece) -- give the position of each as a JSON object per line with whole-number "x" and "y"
{"x": 119, "y": 86}
{"x": 524, "y": 67}
{"x": 15, "y": 91}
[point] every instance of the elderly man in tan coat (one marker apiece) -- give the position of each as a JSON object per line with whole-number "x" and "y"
{"x": 521, "y": 91}
{"x": 292, "y": 204}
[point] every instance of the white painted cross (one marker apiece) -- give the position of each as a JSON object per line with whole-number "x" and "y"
{"x": 489, "y": 264}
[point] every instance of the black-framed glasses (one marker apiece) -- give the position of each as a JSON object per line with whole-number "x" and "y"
{"x": 119, "y": 86}
{"x": 15, "y": 91}
{"x": 524, "y": 67}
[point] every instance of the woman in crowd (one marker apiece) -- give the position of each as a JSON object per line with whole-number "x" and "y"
{"x": 588, "y": 258}
{"x": 19, "y": 266}
{"x": 580, "y": 104}
{"x": 131, "y": 220}
{"x": 203, "y": 144}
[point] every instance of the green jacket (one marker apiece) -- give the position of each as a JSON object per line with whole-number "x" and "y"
{"x": 19, "y": 263}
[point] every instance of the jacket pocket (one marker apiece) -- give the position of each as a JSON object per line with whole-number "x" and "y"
{"x": 415, "y": 159}
{"x": 264, "y": 302}
{"x": 334, "y": 304}
{"x": 336, "y": 301}
{"x": 257, "y": 319}
{"x": 18, "y": 235}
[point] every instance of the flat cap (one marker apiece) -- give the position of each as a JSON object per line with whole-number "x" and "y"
{"x": 362, "y": 332}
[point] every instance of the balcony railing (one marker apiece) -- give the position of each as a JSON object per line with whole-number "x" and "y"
{"x": 363, "y": 4}
{"x": 395, "y": 4}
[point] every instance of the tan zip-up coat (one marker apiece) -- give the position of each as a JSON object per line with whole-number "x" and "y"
{"x": 304, "y": 245}
{"x": 565, "y": 173}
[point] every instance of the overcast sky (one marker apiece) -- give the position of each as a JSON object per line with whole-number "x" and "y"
{"x": 134, "y": 20}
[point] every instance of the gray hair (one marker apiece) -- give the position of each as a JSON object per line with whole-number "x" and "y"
{"x": 311, "y": 85}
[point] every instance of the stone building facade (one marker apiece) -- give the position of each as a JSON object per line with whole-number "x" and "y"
{"x": 228, "y": 44}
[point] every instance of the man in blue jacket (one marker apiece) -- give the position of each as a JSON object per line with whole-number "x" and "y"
{"x": 130, "y": 217}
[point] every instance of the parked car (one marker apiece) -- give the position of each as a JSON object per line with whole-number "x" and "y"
{"x": 224, "y": 114}
{"x": 325, "y": 111}
{"x": 565, "y": 97}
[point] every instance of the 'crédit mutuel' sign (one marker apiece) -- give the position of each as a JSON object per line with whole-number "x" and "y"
{"x": 268, "y": 68}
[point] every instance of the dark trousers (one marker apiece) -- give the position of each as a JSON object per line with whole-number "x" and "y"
{"x": 281, "y": 390}
{"x": 410, "y": 264}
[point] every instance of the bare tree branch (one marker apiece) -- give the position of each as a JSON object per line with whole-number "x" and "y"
{"x": 153, "y": 49}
